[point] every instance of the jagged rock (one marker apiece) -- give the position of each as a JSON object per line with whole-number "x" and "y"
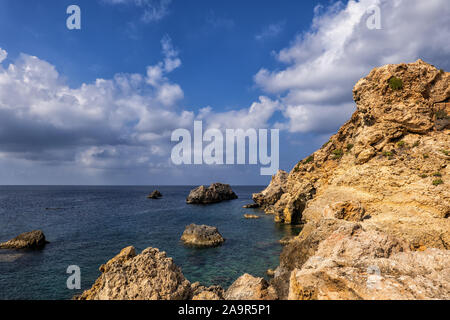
{"x": 273, "y": 192}
{"x": 371, "y": 265}
{"x": 155, "y": 195}
{"x": 29, "y": 240}
{"x": 286, "y": 240}
{"x": 248, "y": 287}
{"x": 348, "y": 210}
{"x": 251, "y": 206}
{"x": 202, "y": 236}
{"x": 251, "y": 216}
{"x": 200, "y": 292}
{"x": 384, "y": 158}
{"x": 217, "y": 192}
{"x": 270, "y": 272}
{"x": 150, "y": 275}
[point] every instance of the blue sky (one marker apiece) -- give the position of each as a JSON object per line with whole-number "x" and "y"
{"x": 97, "y": 105}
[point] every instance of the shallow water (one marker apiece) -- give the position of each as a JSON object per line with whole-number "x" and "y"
{"x": 89, "y": 225}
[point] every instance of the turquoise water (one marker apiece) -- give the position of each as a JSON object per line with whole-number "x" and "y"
{"x": 93, "y": 224}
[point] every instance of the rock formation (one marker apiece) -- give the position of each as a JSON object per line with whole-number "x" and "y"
{"x": 155, "y": 195}
{"x": 248, "y": 287}
{"x": 251, "y": 216}
{"x": 251, "y": 206}
{"x": 150, "y": 275}
{"x": 374, "y": 198}
{"x": 217, "y": 192}
{"x": 202, "y": 236}
{"x": 29, "y": 240}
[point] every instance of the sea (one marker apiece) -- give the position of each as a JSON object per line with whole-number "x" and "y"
{"x": 88, "y": 225}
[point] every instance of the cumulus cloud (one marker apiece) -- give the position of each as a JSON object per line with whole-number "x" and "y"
{"x": 127, "y": 117}
{"x": 3, "y": 55}
{"x": 324, "y": 63}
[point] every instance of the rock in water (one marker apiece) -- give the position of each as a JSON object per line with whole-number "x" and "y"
{"x": 251, "y": 206}
{"x": 150, "y": 275}
{"x": 202, "y": 236}
{"x": 251, "y": 216}
{"x": 155, "y": 195}
{"x": 30, "y": 240}
{"x": 217, "y": 192}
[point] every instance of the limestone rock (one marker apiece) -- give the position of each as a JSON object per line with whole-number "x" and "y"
{"x": 202, "y": 236}
{"x": 217, "y": 192}
{"x": 251, "y": 216}
{"x": 200, "y": 292}
{"x": 371, "y": 265}
{"x": 150, "y": 275}
{"x": 273, "y": 192}
{"x": 248, "y": 287}
{"x": 29, "y": 240}
{"x": 155, "y": 195}
{"x": 349, "y": 211}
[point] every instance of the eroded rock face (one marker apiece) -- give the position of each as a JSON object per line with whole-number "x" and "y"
{"x": 29, "y": 240}
{"x": 202, "y": 236}
{"x": 273, "y": 192}
{"x": 248, "y": 287}
{"x": 382, "y": 177}
{"x": 150, "y": 275}
{"x": 200, "y": 292}
{"x": 371, "y": 265}
{"x": 215, "y": 193}
{"x": 155, "y": 195}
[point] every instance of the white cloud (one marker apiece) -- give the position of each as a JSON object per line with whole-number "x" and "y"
{"x": 324, "y": 63}
{"x": 114, "y": 122}
{"x": 3, "y": 55}
{"x": 270, "y": 31}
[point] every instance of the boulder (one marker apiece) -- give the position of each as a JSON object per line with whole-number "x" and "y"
{"x": 200, "y": 292}
{"x": 155, "y": 195}
{"x": 248, "y": 287}
{"x": 29, "y": 240}
{"x": 215, "y": 193}
{"x": 202, "y": 236}
{"x": 150, "y": 275}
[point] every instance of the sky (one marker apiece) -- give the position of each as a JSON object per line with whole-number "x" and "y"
{"x": 98, "y": 106}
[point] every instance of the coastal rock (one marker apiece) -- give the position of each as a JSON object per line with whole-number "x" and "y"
{"x": 150, "y": 275}
{"x": 348, "y": 210}
{"x": 251, "y": 216}
{"x": 273, "y": 192}
{"x": 155, "y": 195}
{"x": 371, "y": 265}
{"x": 248, "y": 287}
{"x": 29, "y": 240}
{"x": 215, "y": 193}
{"x": 200, "y": 292}
{"x": 202, "y": 236}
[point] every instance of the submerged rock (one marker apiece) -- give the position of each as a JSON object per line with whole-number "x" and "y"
{"x": 202, "y": 236}
{"x": 155, "y": 195}
{"x": 29, "y": 240}
{"x": 251, "y": 206}
{"x": 251, "y": 216}
{"x": 215, "y": 193}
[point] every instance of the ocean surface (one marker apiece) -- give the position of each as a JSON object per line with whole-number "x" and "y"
{"x": 87, "y": 226}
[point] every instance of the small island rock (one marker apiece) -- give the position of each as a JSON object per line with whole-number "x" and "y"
{"x": 202, "y": 236}
{"x": 29, "y": 240}
{"x": 155, "y": 195}
{"x": 215, "y": 193}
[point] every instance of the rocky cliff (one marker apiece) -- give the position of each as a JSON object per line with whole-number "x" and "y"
{"x": 385, "y": 173}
